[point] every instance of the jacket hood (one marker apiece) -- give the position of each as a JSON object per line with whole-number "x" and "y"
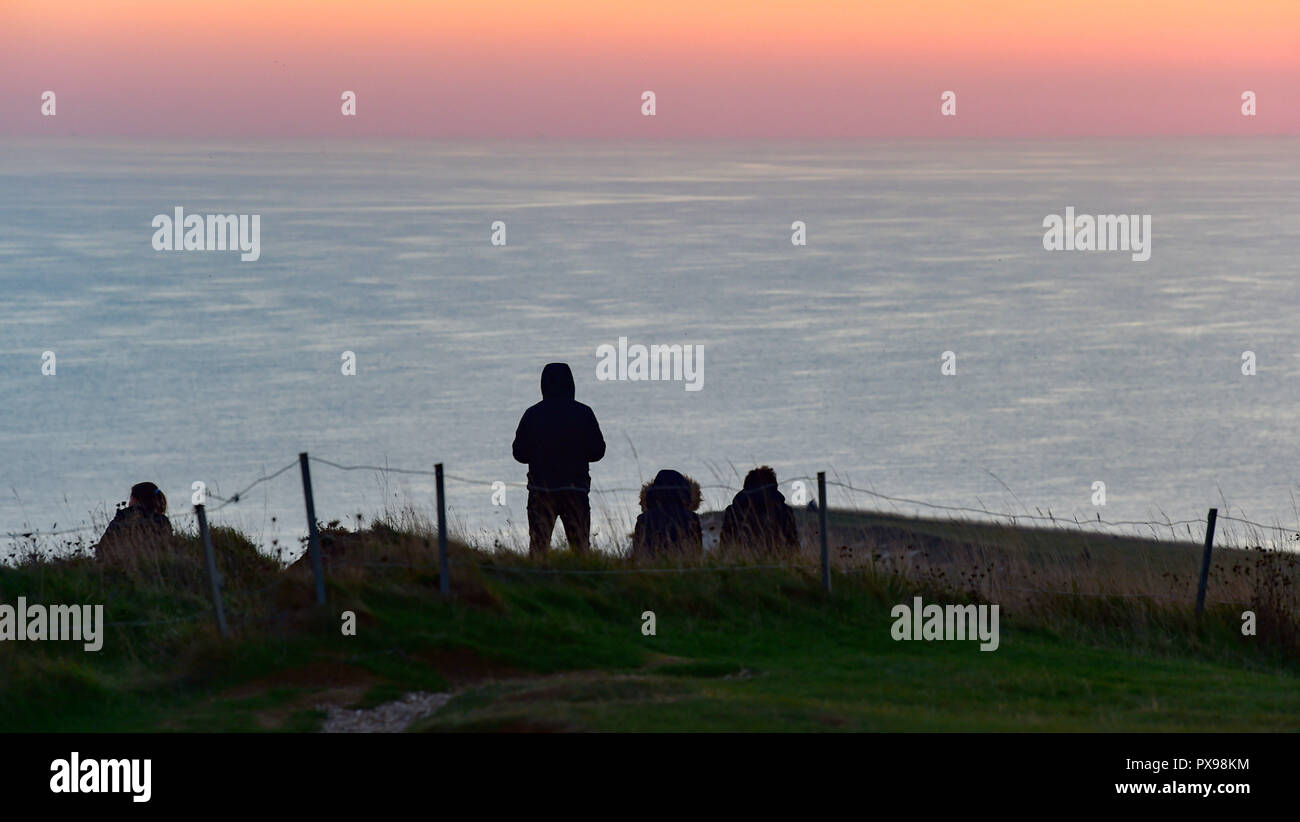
{"x": 557, "y": 381}
{"x": 670, "y": 489}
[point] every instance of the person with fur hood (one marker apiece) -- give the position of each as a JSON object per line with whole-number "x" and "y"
{"x": 758, "y": 519}
{"x": 668, "y": 525}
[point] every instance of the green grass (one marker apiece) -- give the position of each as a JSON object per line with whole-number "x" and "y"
{"x": 764, "y": 653}
{"x": 735, "y": 650}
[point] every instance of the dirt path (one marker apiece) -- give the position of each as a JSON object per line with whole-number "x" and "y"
{"x": 391, "y": 717}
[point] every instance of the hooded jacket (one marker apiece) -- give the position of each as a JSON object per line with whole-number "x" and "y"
{"x": 668, "y": 524}
{"x": 558, "y": 437}
{"x": 758, "y": 519}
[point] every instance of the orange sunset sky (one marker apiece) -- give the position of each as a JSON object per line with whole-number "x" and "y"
{"x": 577, "y": 68}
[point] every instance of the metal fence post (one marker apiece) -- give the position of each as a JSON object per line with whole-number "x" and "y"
{"x": 444, "y": 581}
{"x": 313, "y": 534}
{"x": 1205, "y": 559}
{"x": 821, "y": 515}
{"x": 213, "y": 577}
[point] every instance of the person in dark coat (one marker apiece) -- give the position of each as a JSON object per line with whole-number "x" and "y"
{"x": 142, "y": 522}
{"x": 558, "y": 438}
{"x": 758, "y": 519}
{"x": 668, "y": 525}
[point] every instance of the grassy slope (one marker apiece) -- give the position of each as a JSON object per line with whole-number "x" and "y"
{"x": 743, "y": 650}
{"x": 762, "y": 653}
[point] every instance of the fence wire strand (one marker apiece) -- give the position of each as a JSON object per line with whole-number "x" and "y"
{"x": 239, "y": 495}
{"x": 1292, "y": 532}
{"x": 1026, "y": 516}
{"x": 234, "y": 499}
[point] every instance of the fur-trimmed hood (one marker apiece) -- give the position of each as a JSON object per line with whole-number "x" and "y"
{"x": 670, "y": 489}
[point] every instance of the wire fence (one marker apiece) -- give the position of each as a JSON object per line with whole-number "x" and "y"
{"x": 1040, "y": 519}
{"x": 233, "y": 499}
{"x": 1010, "y": 517}
{"x": 1013, "y": 518}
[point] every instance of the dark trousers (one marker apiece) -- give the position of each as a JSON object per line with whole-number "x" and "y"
{"x": 573, "y": 510}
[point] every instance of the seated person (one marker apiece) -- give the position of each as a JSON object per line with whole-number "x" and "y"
{"x": 758, "y": 521}
{"x": 668, "y": 525}
{"x": 142, "y": 521}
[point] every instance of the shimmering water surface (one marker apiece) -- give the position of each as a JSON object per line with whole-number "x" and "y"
{"x": 1072, "y": 367}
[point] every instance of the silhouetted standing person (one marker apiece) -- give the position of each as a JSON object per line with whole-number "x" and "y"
{"x": 141, "y": 522}
{"x": 758, "y": 519}
{"x": 558, "y": 437}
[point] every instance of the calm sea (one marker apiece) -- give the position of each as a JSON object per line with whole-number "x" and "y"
{"x": 1072, "y": 367}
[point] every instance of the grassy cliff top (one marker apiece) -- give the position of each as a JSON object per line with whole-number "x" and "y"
{"x": 739, "y": 645}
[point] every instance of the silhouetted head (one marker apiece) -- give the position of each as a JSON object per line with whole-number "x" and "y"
{"x": 148, "y": 498}
{"x": 761, "y": 477}
{"x": 557, "y": 381}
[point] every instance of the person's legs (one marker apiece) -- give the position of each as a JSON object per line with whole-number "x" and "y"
{"x": 541, "y": 521}
{"x": 575, "y": 513}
